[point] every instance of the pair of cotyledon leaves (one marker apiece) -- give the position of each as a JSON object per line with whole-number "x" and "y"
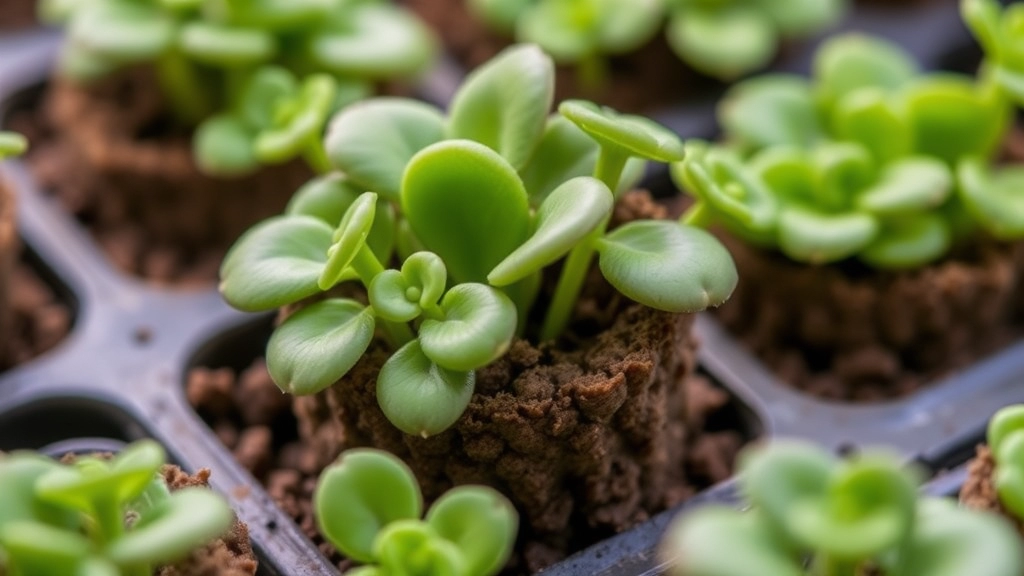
{"x": 812, "y": 516}
{"x": 369, "y": 506}
{"x": 871, "y": 160}
{"x": 100, "y": 517}
{"x": 723, "y": 38}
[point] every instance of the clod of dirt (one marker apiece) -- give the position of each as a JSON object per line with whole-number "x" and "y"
{"x": 979, "y": 491}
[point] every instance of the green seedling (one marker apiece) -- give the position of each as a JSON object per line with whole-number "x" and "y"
{"x": 369, "y": 507}
{"x": 1006, "y": 441}
{"x": 258, "y": 78}
{"x": 871, "y": 160}
{"x": 813, "y": 516}
{"x": 12, "y": 144}
{"x": 100, "y": 517}
{"x": 488, "y": 197}
{"x": 999, "y": 30}
{"x": 725, "y": 39}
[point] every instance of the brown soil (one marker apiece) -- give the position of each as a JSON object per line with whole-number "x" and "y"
{"x": 847, "y": 332}
{"x": 978, "y": 491}
{"x": 8, "y": 259}
{"x": 114, "y": 157}
{"x": 17, "y": 14}
{"x": 643, "y": 80}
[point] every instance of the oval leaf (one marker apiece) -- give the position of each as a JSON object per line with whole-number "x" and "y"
{"x": 909, "y": 242}
{"x": 478, "y": 326}
{"x": 636, "y": 135}
{"x": 349, "y": 239}
{"x": 227, "y": 46}
{"x": 911, "y": 185}
{"x": 122, "y": 31}
{"x": 372, "y": 40}
{"x": 951, "y": 117}
{"x": 419, "y": 397}
{"x": 364, "y": 491}
{"x": 480, "y": 522}
{"x": 724, "y": 43}
{"x": 222, "y": 145}
{"x": 667, "y": 266}
{"x": 818, "y": 238}
{"x": 413, "y": 547}
{"x": 319, "y": 344}
{"x": 994, "y": 200}
{"x": 770, "y": 110}
{"x": 851, "y": 62}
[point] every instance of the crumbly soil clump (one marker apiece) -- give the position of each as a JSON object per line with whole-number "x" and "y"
{"x": 645, "y": 79}
{"x": 847, "y": 332}
{"x": 979, "y": 491}
{"x": 114, "y": 156}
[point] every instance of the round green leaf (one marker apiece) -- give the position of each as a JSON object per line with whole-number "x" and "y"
{"x": 359, "y": 495}
{"x": 851, "y": 62}
{"x": 566, "y": 217}
{"x": 501, "y": 15}
{"x": 568, "y": 31}
{"x": 227, "y": 46}
{"x": 91, "y": 481}
{"x": 842, "y": 169}
{"x": 222, "y": 145}
{"x": 668, "y": 266}
{"x": 300, "y": 121}
{"x": 1004, "y": 423}
{"x": 724, "y": 43}
{"x": 993, "y": 199}
{"x": 867, "y": 117}
{"x": 480, "y": 522}
{"x": 326, "y": 198}
{"x": 770, "y": 110}
{"x": 419, "y": 397}
{"x": 401, "y": 296}
{"x": 819, "y": 238}
{"x": 373, "y": 40}
{"x": 36, "y": 548}
{"x": 277, "y": 262}
{"x": 261, "y": 94}
{"x": 635, "y": 135}
{"x": 478, "y": 326}
{"x": 504, "y": 103}
{"x": 12, "y": 144}
{"x": 1009, "y": 474}
{"x": 916, "y": 183}
{"x": 466, "y": 204}
{"x": 122, "y": 31}
{"x": 804, "y": 17}
{"x": 373, "y": 141}
{"x": 190, "y": 518}
{"x": 18, "y": 475}
{"x": 910, "y": 241}
{"x": 777, "y": 477}
{"x": 349, "y": 238}
{"x": 951, "y": 117}
{"x": 316, "y": 346}
{"x": 413, "y": 547}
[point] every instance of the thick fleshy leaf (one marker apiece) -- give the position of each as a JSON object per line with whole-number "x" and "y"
{"x": 635, "y": 135}
{"x": 951, "y": 117}
{"x": 319, "y": 344}
{"x": 227, "y": 46}
{"x": 568, "y": 31}
{"x": 480, "y": 522}
{"x": 718, "y": 541}
{"x": 843, "y": 169}
{"x": 92, "y": 481}
{"x": 867, "y": 117}
{"x": 478, "y": 325}
{"x": 466, "y": 204}
{"x": 261, "y": 93}
{"x": 349, "y": 238}
{"x": 852, "y": 62}
{"x": 122, "y": 31}
{"x": 12, "y": 144}
{"x": 1009, "y": 473}
{"x": 190, "y": 518}
{"x": 414, "y": 547}
{"x": 279, "y": 15}
{"x": 911, "y": 185}
{"x": 18, "y": 475}
{"x": 770, "y": 110}
{"x": 37, "y": 549}
{"x": 373, "y": 141}
{"x": 276, "y": 262}
{"x": 565, "y": 218}
{"x": 910, "y": 241}
{"x": 499, "y": 14}
{"x": 667, "y": 266}
{"x": 803, "y": 17}
{"x": 373, "y": 40}
{"x": 401, "y": 296}
{"x": 994, "y": 199}
{"x": 299, "y": 121}
{"x": 818, "y": 238}
{"x": 504, "y": 103}
{"x": 359, "y": 495}
{"x": 419, "y": 397}
{"x": 222, "y": 145}
{"x": 1006, "y": 422}
{"x": 725, "y": 43}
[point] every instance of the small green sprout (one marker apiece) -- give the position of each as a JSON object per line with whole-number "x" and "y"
{"x": 12, "y": 144}
{"x": 871, "y": 159}
{"x": 100, "y": 517}
{"x": 477, "y": 204}
{"x": 369, "y": 507}
{"x": 724, "y": 38}
{"x": 813, "y": 516}
{"x": 1007, "y": 444}
{"x": 258, "y": 79}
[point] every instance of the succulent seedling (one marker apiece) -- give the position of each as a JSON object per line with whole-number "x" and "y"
{"x": 999, "y": 30}
{"x": 1006, "y": 440}
{"x": 477, "y": 203}
{"x": 100, "y": 517}
{"x": 725, "y": 39}
{"x": 369, "y": 507}
{"x": 12, "y": 144}
{"x": 258, "y": 78}
{"x": 813, "y": 516}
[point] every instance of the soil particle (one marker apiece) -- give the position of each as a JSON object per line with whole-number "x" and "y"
{"x": 114, "y": 156}
{"x": 846, "y": 332}
{"x": 979, "y": 491}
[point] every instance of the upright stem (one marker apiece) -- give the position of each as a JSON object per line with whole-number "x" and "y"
{"x": 592, "y": 73}
{"x": 186, "y": 93}
{"x": 610, "y": 164}
{"x": 698, "y": 215}
{"x": 316, "y": 156}
{"x": 367, "y": 267}
{"x": 109, "y": 521}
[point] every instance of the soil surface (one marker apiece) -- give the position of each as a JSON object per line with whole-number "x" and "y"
{"x": 17, "y": 14}
{"x": 847, "y": 332}
{"x": 979, "y": 492}
{"x": 644, "y": 80}
{"x": 9, "y": 248}
{"x": 114, "y": 156}
{"x": 587, "y": 441}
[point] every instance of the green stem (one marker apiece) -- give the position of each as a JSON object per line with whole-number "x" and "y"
{"x": 186, "y": 93}
{"x": 316, "y": 156}
{"x": 698, "y": 215}
{"x": 109, "y": 521}
{"x": 368, "y": 267}
{"x": 592, "y": 73}
{"x": 825, "y": 565}
{"x": 610, "y": 164}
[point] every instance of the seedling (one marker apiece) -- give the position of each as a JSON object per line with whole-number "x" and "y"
{"x": 872, "y": 159}
{"x": 1006, "y": 441}
{"x": 811, "y": 515}
{"x": 12, "y": 144}
{"x": 259, "y": 78}
{"x": 725, "y": 39}
{"x": 100, "y": 517}
{"x": 487, "y": 197}
{"x": 999, "y": 31}
{"x": 369, "y": 506}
